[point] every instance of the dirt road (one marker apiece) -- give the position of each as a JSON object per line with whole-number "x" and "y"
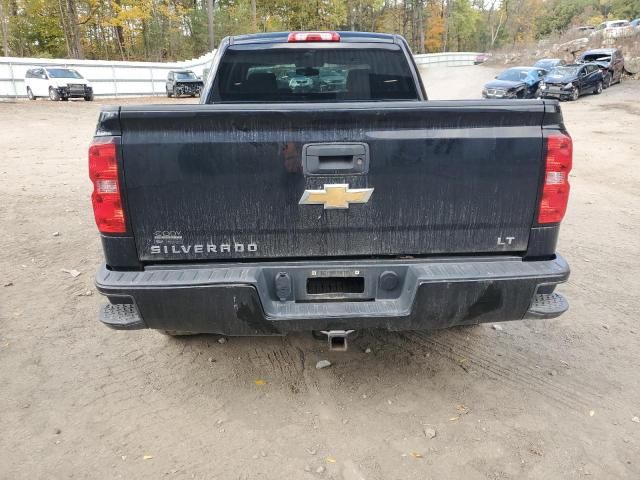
{"x": 536, "y": 400}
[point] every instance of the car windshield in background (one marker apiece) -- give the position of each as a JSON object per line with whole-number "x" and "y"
{"x": 564, "y": 71}
{"x": 63, "y": 73}
{"x": 596, "y": 58}
{"x": 513, "y": 75}
{"x": 186, "y": 76}
{"x": 545, "y": 65}
{"x": 313, "y": 74}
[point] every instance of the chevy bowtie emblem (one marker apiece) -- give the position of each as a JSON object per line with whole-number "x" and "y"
{"x": 336, "y": 196}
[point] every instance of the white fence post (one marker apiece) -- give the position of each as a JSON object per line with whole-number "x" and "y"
{"x": 115, "y": 81}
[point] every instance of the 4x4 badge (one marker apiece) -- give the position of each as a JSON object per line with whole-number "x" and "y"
{"x": 336, "y": 196}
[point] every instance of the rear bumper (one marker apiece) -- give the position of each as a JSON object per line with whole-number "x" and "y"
{"x": 243, "y": 299}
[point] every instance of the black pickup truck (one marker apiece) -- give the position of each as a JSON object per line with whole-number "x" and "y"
{"x": 281, "y": 205}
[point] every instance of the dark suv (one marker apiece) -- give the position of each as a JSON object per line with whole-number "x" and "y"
{"x": 183, "y": 82}
{"x": 610, "y": 61}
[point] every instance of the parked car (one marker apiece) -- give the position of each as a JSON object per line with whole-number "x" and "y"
{"x": 333, "y": 80}
{"x": 549, "y": 64}
{"x": 481, "y": 58}
{"x": 516, "y": 82}
{"x": 57, "y": 84}
{"x": 614, "y": 29}
{"x": 183, "y": 82}
{"x": 610, "y": 61}
{"x": 301, "y": 83}
{"x": 568, "y": 82}
{"x": 328, "y": 211}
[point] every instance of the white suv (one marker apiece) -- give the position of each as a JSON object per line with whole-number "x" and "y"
{"x": 57, "y": 84}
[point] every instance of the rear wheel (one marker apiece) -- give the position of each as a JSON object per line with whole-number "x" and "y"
{"x": 54, "y": 96}
{"x": 598, "y": 89}
{"x": 30, "y": 94}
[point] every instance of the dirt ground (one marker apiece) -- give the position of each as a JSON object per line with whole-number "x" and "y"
{"x": 536, "y": 400}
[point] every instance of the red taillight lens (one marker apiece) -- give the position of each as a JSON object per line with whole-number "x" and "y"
{"x": 313, "y": 37}
{"x": 107, "y": 204}
{"x": 555, "y": 193}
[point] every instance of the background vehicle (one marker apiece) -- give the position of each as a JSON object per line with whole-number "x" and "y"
{"x": 516, "y": 82}
{"x": 481, "y": 58}
{"x": 549, "y": 64}
{"x": 301, "y": 83}
{"x": 266, "y": 209}
{"x": 635, "y": 23}
{"x": 332, "y": 79}
{"x": 610, "y": 61}
{"x": 568, "y": 82}
{"x": 183, "y": 82}
{"x": 613, "y": 29}
{"x": 57, "y": 84}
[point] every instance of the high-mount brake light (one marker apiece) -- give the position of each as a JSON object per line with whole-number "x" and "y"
{"x": 555, "y": 193}
{"x": 313, "y": 37}
{"x": 107, "y": 203}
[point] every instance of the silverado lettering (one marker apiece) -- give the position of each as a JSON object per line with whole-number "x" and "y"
{"x": 293, "y": 134}
{"x": 200, "y": 248}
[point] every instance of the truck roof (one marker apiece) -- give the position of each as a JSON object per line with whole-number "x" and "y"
{"x": 281, "y": 37}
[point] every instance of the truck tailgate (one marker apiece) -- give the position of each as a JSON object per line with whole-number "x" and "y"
{"x": 215, "y": 182}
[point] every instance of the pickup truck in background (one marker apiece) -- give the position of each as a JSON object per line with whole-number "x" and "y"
{"x": 315, "y": 188}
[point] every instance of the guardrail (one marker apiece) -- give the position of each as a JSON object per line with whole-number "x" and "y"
{"x": 118, "y": 78}
{"x": 446, "y": 59}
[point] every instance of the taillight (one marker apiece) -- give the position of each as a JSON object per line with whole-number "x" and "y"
{"x": 103, "y": 171}
{"x": 555, "y": 193}
{"x": 313, "y": 37}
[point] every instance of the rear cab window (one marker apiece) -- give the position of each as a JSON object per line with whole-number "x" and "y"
{"x": 313, "y": 73}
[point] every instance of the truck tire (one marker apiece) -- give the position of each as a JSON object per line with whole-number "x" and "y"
{"x": 30, "y": 94}
{"x": 54, "y": 96}
{"x": 88, "y": 97}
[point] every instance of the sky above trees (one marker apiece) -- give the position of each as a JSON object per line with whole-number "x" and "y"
{"x": 179, "y": 29}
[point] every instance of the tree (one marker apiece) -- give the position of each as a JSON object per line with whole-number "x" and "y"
{"x": 4, "y": 26}
{"x": 210, "y": 5}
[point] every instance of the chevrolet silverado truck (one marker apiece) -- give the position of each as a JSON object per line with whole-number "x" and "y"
{"x": 270, "y": 208}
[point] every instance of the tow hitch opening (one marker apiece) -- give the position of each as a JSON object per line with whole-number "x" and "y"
{"x": 337, "y": 339}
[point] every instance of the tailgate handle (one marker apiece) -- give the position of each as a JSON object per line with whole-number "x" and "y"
{"x": 335, "y": 159}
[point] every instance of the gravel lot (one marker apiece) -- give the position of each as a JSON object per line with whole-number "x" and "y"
{"x": 554, "y": 399}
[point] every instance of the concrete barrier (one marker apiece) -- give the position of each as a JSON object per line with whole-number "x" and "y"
{"x": 118, "y": 78}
